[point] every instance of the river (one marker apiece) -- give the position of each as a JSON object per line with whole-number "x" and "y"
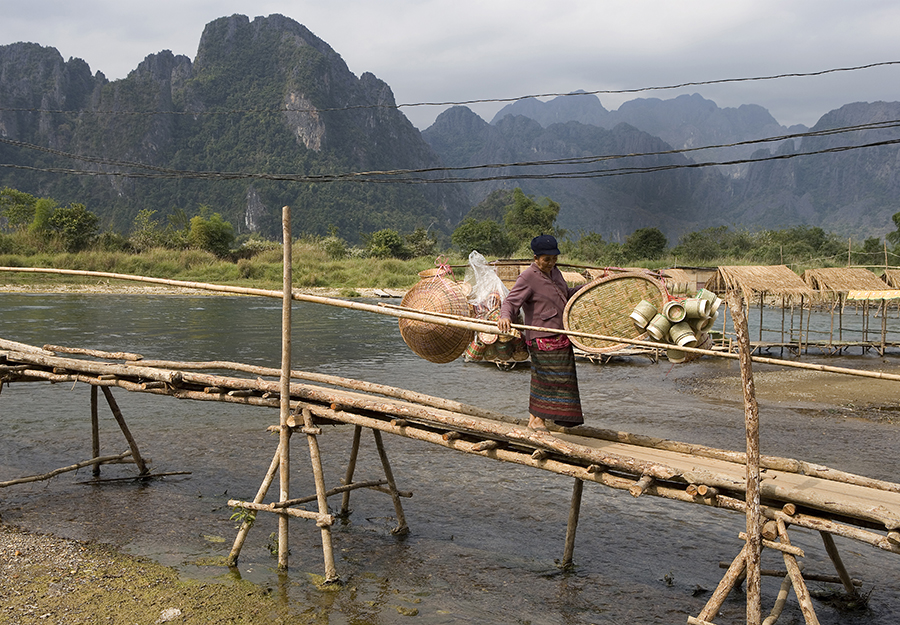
{"x": 485, "y": 536}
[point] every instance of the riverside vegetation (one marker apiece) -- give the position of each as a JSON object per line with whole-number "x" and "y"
{"x": 37, "y": 232}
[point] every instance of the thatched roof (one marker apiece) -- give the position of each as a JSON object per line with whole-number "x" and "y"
{"x": 756, "y": 280}
{"x": 843, "y": 279}
{"x": 891, "y": 277}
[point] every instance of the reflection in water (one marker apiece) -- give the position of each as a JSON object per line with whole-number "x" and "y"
{"x": 486, "y": 536}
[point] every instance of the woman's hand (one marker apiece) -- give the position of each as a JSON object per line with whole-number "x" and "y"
{"x": 504, "y": 325}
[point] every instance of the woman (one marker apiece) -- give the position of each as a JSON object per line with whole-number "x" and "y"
{"x": 541, "y": 292}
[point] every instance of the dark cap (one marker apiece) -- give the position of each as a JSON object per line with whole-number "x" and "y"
{"x": 544, "y": 245}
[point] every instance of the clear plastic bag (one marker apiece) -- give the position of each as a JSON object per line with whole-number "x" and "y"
{"x": 487, "y": 289}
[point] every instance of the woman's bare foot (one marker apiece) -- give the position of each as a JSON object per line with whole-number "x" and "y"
{"x": 537, "y": 424}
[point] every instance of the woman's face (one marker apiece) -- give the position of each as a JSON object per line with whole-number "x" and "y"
{"x": 545, "y": 263}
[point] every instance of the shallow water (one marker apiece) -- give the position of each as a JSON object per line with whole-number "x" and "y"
{"x": 485, "y": 536}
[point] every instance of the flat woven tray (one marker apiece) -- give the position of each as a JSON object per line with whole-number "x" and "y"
{"x": 603, "y": 307}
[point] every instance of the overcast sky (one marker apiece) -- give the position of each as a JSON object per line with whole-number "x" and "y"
{"x": 455, "y": 50}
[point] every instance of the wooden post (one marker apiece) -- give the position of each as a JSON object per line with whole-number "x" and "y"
{"x": 709, "y": 611}
{"x": 751, "y": 418}
{"x": 351, "y": 469}
{"x": 284, "y": 440}
{"x": 402, "y": 528}
{"x": 574, "y": 512}
{"x": 793, "y": 569}
{"x": 260, "y": 495}
{"x": 331, "y": 575}
{"x": 95, "y": 431}
{"x": 135, "y": 452}
{"x": 831, "y": 550}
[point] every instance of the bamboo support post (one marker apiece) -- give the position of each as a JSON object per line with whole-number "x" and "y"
{"x": 351, "y": 469}
{"x": 55, "y": 472}
{"x": 95, "y": 431}
{"x": 402, "y": 528}
{"x": 831, "y": 550}
{"x": 751, "y": 415}
{"x": 135, "y": 452}
{"x": 780, "y": 602}
{"x": 260, "y": 495}
{"x": 728, "y": 581}
{"x": 331, "y": 574}
{"x": 572, "y": 525}
{"x": 337, "y": 490}
{"x": 285, "y": 387}
{"x": 803, "y": 596}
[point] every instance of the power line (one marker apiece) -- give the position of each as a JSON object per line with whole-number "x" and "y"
{"x": 699, "y": 83}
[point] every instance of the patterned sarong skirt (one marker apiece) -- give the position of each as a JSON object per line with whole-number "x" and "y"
{"x": 554, "y": 385}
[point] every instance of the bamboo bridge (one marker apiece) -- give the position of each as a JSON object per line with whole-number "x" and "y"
{"x": 774, "y": 493}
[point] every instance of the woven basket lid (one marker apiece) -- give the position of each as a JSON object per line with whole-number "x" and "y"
{"x": 604, "y": 306}
{"x": 431, "y": 341}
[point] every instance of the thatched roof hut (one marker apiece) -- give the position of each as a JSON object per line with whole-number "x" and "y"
{"x": 891, "y": 277}
{"x": 678, "y": 280}
{"x": 759, "y": 280}
{"x": 836, "y": 280}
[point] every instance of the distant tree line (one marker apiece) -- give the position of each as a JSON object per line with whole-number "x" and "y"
{"x": 500, "y": 226}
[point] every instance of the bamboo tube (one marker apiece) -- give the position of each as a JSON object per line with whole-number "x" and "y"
{"x": 285, "y": 388}
{"x": 794, "y": 551}
{"x": 321, "y": 520}
{"x": 803, "y": 597}
{"x": 55, "y": 472}
{"x": 641, "y": 486}
{"x": 751, "y": 424}
{"x": 135, "y": 452}
{"x": 331, "y": 575}
{"x": 572, "y": 525}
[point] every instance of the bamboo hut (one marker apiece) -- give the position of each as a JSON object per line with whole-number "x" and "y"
{"x": 891, "y": 277}
{"x": 760, "y": 282}
{"x": 694, "y": 277}
{"x": 835, "y": 284}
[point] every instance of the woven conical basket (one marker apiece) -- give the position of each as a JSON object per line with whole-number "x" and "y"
{"x": 435, "y": 342}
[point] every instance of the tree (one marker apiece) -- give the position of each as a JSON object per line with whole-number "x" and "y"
{"x": 16, "y": 209}
{"x": 420, "y": 243}
{"x": 75, "y": 224}
{"x": 486, "y": 236}
{"x": 386, "y": 243}
{"x": 213, "y": 234}
{"x": 894, "y": 237}
{"x": 526, "y": 218}
{"x": 645, "y": 244}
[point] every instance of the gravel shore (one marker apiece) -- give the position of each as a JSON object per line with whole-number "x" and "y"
{"x": 49, "y": 580}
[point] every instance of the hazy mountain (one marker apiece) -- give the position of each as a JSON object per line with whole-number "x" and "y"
{"x": 265, "y": 97}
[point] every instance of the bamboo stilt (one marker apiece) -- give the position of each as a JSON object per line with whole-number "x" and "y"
{"x": 351, "y": 468}
{"x": 95, "y": 431}
{"x": 135, "y": 452}
{"x": 572, "y": 525}
{"x": 285, "y": 384}
{"x": 780, "y": 602}
{"x": 831, "y": 550}
{"x": 402, "y": 528}
{"x": 754, "y": 517}
{"x": 260, "y": 495}
{"x": 722, "y": 591}
{"x": 803, "y": 596}
{"x": 55, "y": 472}
{"x": 331, "y": 575}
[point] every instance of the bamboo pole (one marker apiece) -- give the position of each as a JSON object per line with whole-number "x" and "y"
{"x": 722, "y": 591}
{"x": 95, "y": 431}
{"x": 135, "y": 452}
{"x": 55, "y": 472}
{"x": 831, "y": 550}
{"x": 572, "y": 525}
{"x": 780, "y": 601}
{"x": 260, "y": 495}
{"x": 803, "y": 597}
{"x": 351, "y": 469}
{"x": 402, "y": 528}
{"x": 331, "y": 575}
{"x": 285, "y": 389}
{"x": 751, "y": 422}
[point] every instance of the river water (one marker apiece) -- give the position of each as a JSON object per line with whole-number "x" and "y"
{"x": 485, "y": 536}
